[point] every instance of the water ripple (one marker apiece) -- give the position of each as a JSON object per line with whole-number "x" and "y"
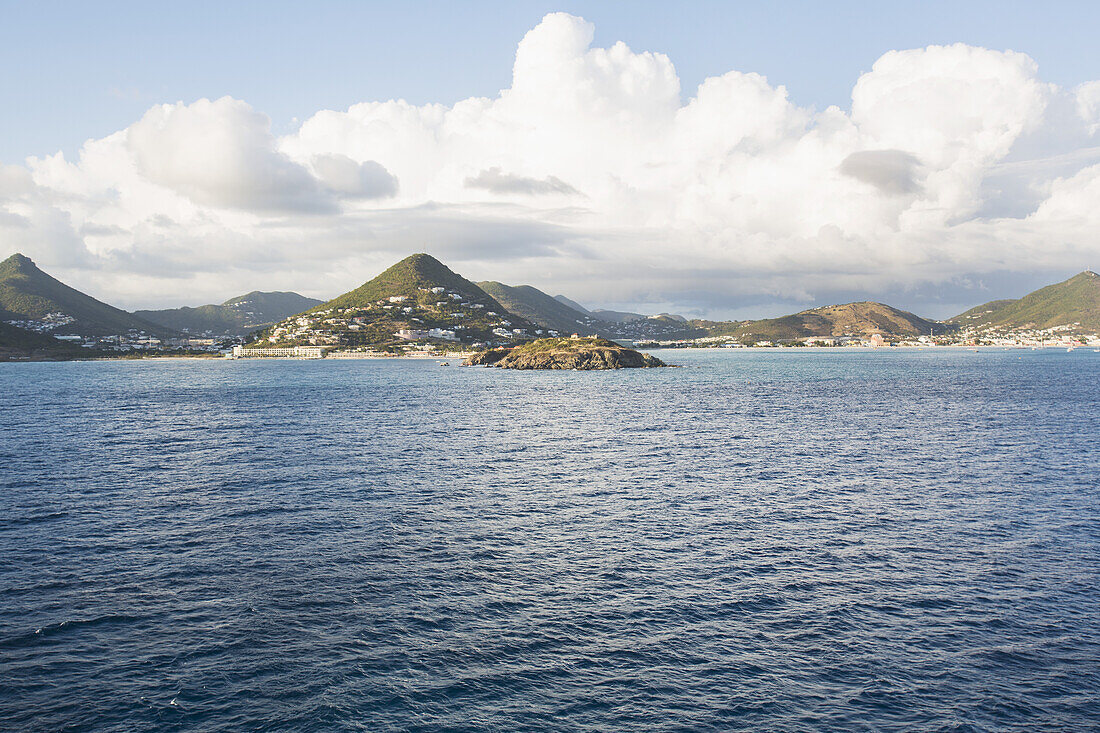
{"x": 769, "y": 540}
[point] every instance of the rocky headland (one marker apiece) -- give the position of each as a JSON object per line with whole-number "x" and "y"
{"x": 565, "y": 353}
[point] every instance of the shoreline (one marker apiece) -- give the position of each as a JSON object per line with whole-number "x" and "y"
{"x": 461, "y": 355}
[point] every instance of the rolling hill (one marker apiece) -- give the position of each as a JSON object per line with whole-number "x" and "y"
{"x": 28, "y": 295}
{"x": 235, "y": 317}
{"x": 1073, "y": 303}
{"x": 850, "y": 319}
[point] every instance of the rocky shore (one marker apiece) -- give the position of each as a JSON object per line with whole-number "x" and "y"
{"x": 565, "y": 353}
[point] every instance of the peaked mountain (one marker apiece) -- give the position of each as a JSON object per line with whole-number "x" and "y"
{"x": 30, "y": 297}
{"x": 1074, "y": 303}
{"x": 538, "y": 307}
{"x": 572, "y": 304}
{"x": 235, "y": 317}
{"x": 850, "y": 319}
{"x": 410, "y": 278}
{"x": 418, "y": 298}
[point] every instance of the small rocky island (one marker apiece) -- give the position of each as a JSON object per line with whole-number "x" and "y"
{"x": 565, "y": 353}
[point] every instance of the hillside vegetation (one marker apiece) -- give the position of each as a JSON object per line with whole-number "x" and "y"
{"x": 565, "y": 353}
{"x": 1073, "y": 303}
{"x": 410, "y": 278}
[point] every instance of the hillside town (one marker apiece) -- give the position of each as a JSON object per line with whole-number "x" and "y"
{"x": 434, "y": 315}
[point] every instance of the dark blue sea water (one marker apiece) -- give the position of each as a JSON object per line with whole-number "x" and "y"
{"x": 766, "y": 540}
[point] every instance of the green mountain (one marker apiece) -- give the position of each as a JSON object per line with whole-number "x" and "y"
{"x": 410, "y": 278}
{"x": 1074, "y": 303}
{"x": 235, "y": 317}
{"x": 850, "y": 319}
{"x": 538, "y": 307}
{"x": 419, "y": 294}
{"x": 29, "y": 296}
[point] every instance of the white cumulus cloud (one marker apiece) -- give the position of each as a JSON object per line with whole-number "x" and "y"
{"x": 597, "y": 175}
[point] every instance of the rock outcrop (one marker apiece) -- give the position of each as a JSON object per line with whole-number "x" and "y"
{"x": 567, "y": 353}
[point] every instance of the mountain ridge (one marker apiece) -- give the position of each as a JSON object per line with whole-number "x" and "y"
{"x": 237, "y": 316}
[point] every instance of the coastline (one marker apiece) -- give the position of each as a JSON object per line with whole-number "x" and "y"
{"x": 460, "y": 355}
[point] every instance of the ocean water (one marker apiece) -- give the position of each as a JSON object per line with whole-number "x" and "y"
{"x": 760, "y": 540}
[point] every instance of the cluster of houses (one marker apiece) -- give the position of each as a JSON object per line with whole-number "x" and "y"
{"x": 421, "y": 317}
{"x": 132, "y": 340}
{"x": 1069, "y": 336}
{"x": 46, "y": 324}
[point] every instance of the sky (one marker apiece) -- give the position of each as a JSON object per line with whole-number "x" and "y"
{"x": 728, "y": 160}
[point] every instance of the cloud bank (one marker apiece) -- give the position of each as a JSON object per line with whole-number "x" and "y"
{"x": 593, "y": 174}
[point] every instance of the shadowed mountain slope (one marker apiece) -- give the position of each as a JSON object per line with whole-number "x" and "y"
{"x": 540, "y": 308}
{"x": 29, "y": 294}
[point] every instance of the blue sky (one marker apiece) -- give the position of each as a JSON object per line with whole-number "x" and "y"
{"x": 79, "y": 70}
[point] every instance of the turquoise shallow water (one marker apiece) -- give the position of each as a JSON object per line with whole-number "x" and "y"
{"x": 760, "y": 540}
